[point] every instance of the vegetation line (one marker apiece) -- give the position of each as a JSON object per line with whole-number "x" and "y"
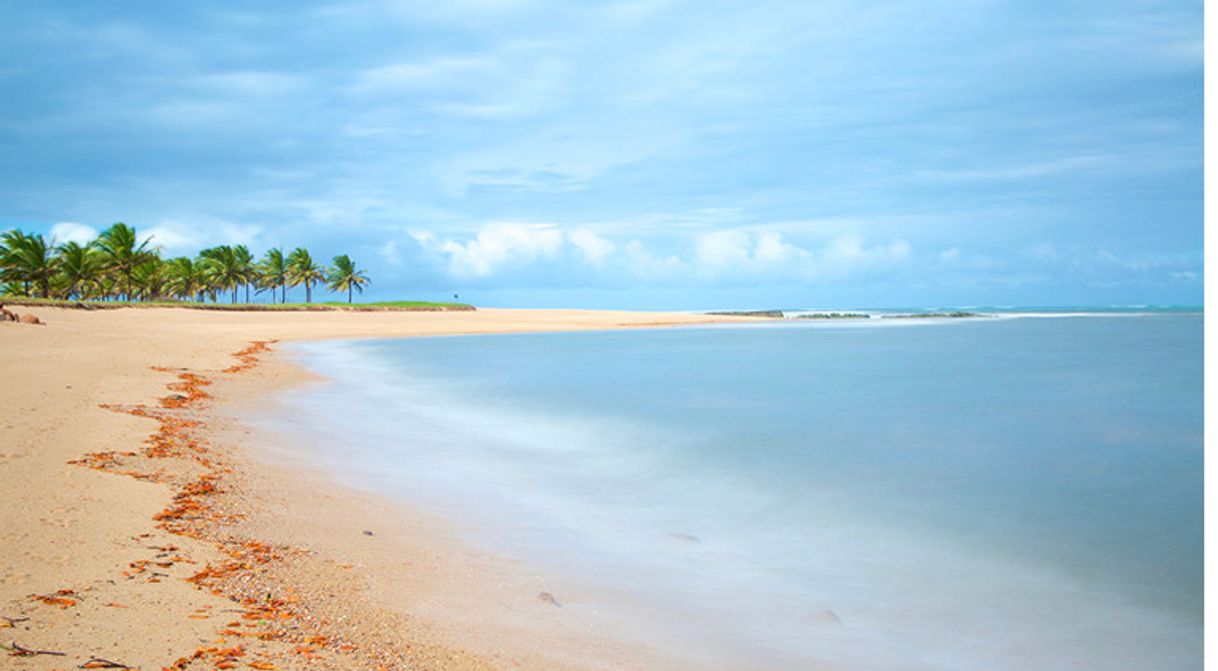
{"x": 118, "y": 266}
{"x": 329, "y": 306}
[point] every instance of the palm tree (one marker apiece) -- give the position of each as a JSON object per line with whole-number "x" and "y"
{"x": 80, "y": 270}
{"x": 245, "y": 267}
{"x": 224, "y": 268}
{"x": 120, "y": 265}
{"x": 122, "y": 252}
{"x": 209, "y": 272}
{"x": 149, "y": 278}
{"x": 107, "y": 284}
{"x": 273, "y": 272}
{"x": 345, "y": 277}
{"x": 303, "y": 270}
{"x": 184, "y": 278}
{"x": 28, "y": 260}
{"x": 13, "y": 285}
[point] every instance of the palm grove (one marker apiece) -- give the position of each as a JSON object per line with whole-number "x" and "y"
{"x": 117, "y": 265}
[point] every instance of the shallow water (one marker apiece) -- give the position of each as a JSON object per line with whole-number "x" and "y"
{"x": 1004, "y": 493}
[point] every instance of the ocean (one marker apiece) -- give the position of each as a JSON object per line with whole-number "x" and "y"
{"x": 1009, "y": 492}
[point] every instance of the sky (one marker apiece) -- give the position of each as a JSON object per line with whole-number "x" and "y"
{"x": 631, "y": 154}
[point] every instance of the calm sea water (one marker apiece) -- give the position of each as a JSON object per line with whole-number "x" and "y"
{"x": 1003, "y": 493}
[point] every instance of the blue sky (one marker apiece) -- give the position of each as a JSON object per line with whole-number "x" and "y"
{"x": 631, "y": 154}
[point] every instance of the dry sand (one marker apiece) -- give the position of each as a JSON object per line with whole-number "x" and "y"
{"x": 141, "y": 525}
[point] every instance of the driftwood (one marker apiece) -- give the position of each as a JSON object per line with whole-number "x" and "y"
{"x": 22, "y": 651}
{"x": 17, "y": 650}
{"x": 99, "y": 663}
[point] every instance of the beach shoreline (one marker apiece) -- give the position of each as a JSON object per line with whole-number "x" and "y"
{"x": 413, "y": 561}
{"x": 172, "y": 544}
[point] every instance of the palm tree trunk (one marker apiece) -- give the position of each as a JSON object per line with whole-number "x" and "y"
{"x": 284, "y": 290}
{"x": 308, "y": 292}
{"x": 247, "y": 292}
{"x": 349, "y": 294}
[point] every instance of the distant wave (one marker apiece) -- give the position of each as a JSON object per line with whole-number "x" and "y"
{"x": 868, "y": 316}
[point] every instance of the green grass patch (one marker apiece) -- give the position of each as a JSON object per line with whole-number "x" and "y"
{"x": 408, "y": 305}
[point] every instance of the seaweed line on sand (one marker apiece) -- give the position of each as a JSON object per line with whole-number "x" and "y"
{"x": 271, "y": 624}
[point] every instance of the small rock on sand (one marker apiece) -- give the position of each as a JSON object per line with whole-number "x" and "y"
{"x": 30, "y": 319}
{"x": 549, "y": 598}
{"x": 368, "y": 533}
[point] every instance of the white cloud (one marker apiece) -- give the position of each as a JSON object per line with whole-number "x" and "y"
{"x": 177, "y": 237}
{"x": 737, "y": 251}
{"x": 500, "y": 245}
{"x": 741, "y": 253}
{"x": 70, "y": 231}
{"x": 595, "y": 249}
{"x": 723, "y": 249}
{"x": 643, "y": 264}
{"x": 849, "y": 253}
{"x": 729, "y": 256}
{"x": 171, "y": 236}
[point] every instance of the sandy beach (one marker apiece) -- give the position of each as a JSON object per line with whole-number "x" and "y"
{"x": 144, "y": 526}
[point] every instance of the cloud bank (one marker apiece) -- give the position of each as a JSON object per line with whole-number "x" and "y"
{"x": 903, "y": 153}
